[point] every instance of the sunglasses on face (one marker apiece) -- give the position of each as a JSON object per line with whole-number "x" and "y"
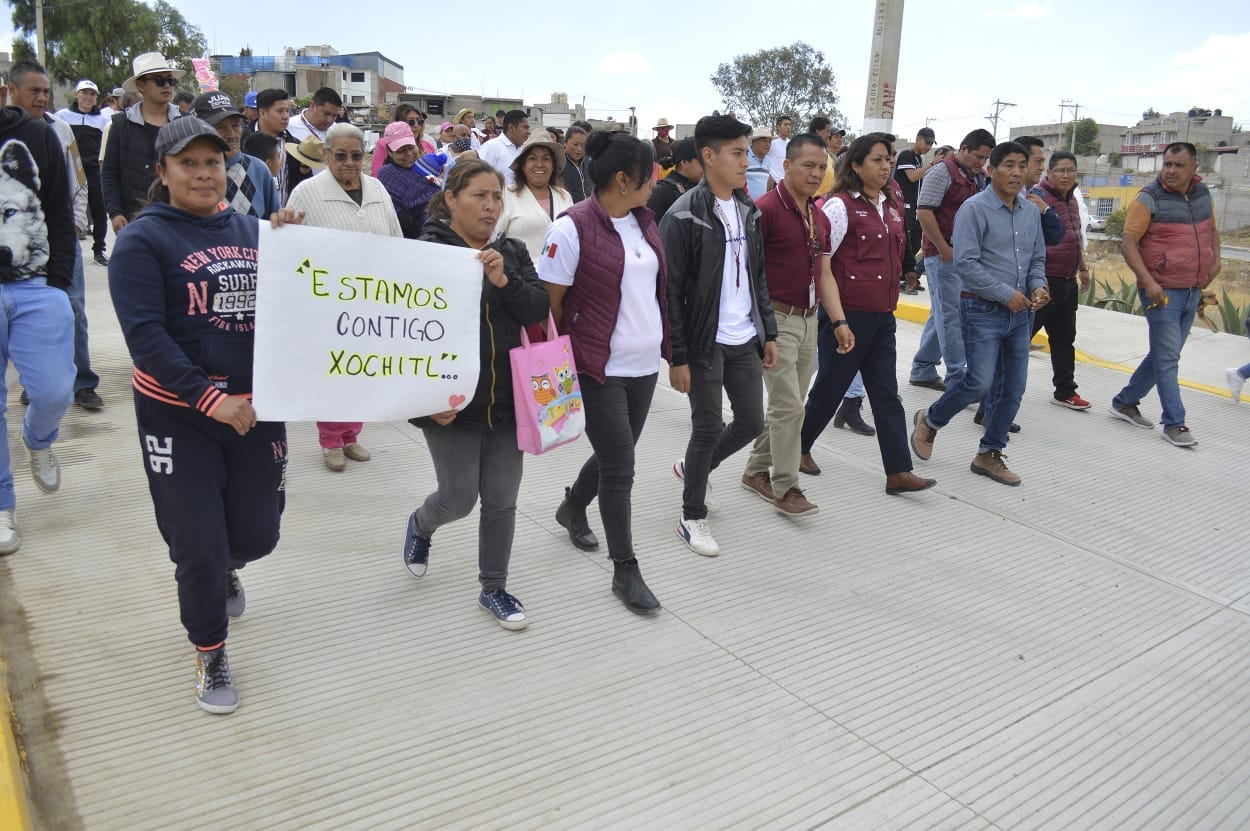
{"x": 414, "y": 122}
{"x": 162, "y": 80}
{"x": 341, "y": 157}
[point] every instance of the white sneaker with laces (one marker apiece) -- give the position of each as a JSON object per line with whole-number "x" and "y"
{"x": 45, "y": 470}
{"x": 10, "y": 540}
{"x": 709, "y": 496}
{"x": 696, "y": 534}
{"x": 1235, "y": 382}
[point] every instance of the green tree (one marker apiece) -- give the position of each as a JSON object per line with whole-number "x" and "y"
{"x": 1086, "y": 137}
{"x": 98, "y": 39}
{"x": 789, "y": 80}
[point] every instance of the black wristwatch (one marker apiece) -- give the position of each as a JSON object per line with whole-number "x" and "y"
{"x": 838, "y": 323}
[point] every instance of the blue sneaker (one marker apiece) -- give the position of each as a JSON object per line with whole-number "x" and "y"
{"x": 416, "y": 549}
{"x": 508, "y": 611}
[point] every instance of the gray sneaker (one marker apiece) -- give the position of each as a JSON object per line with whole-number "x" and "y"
{"x": 1132, "y": 415}
{"x": 45, "y": 470}
{"x": 214, "y": 690}
{"x": 10, "y": 539}
{"x": 1179, "y": 435}
{"x": 236, "y": 598}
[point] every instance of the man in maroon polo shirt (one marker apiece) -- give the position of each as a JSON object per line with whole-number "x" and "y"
{"x": 796, "y": 265}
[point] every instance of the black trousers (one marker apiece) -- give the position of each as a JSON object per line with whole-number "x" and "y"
{"x": 1059, "y": 319}
{"x": 218, "y": 497}
{"x": 616, "y": 412}
{"x": 95, "y": 208}
{"x": 875, "y": 357}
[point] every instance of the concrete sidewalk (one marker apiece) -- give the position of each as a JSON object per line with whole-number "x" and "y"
{"x": 1072, "y": 653}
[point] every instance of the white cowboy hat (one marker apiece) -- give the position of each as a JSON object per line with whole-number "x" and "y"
{"x": 150, "y": 63}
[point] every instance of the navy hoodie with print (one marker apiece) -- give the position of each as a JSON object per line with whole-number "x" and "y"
{"x": 37, "y": 232}
{"x": 184, "y": 288}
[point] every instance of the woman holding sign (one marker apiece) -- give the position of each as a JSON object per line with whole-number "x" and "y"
{"x": 474, "y": 448}
{"x": 603, "y": 266}
{"x": 340, "y": 197}
{"x": 215, "y": 473}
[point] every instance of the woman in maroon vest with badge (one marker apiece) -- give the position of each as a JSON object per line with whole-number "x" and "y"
{"x": 868, "y": 239}
{"x": 603, "y": 265}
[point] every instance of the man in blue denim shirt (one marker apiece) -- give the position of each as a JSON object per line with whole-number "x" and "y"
{"x": 1001, "y": 257}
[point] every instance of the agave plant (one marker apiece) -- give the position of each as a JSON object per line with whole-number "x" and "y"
{"x": 1232, "y": 316}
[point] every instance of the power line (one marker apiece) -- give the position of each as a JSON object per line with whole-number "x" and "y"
{"x": 999, "y": 106}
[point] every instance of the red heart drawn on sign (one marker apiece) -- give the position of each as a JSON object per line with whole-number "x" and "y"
{"x": 455, "y": 400}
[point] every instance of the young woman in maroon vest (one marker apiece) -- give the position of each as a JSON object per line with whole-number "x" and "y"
{"x": 868, "y": 239}
{"x": 603, "y": 265}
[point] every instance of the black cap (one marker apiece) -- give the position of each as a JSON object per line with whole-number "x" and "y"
{"x": 214, "y": 107}
{"x": 926, "y": 133}
{"x": 177, "y": 134}
{"x": 838, "y": 132}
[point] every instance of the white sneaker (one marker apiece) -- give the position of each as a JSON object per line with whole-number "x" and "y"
{"x": 45, "y": 470}
{"x": 695, "y": 533}
{"x": 1235, "y": 382}
{"x": 10, "y": 540}
{"x": 709, "y": 496}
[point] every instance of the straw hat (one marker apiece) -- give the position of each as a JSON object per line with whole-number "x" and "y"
{"x": 150, "y": 63}
{"x": 462, "y": 114}
{"x": 661, "y": 123}
{"x": 540, "y": 140}
{"x": 310, "y": 152}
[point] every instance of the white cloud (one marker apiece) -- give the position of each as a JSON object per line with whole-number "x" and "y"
{"x": 624, "y": 63}
{"x": 1023, "y": 11}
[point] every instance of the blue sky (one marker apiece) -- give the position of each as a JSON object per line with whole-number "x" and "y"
{"x": 1115, "y": 59}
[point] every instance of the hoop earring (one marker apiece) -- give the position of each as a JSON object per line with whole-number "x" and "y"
{"x": 624, "y": 191}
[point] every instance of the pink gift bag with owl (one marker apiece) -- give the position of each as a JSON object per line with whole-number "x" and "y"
{"x": 545, "y": 392}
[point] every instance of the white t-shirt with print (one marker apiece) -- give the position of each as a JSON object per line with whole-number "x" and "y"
{"x": 639, "y": 331}
{"x": 735, "y": 326}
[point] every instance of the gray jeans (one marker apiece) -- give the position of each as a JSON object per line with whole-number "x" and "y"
{"x": 471, "y": 462}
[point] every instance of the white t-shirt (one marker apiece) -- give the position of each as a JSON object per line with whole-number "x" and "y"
{"x": 776, "y": 158}
{"x": 639, "y": 331}
{"x": 735, "y": 326}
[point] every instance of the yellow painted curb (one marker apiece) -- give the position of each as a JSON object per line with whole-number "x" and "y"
{"x": 14, "y": 807}
{"x": 919, "y": 313}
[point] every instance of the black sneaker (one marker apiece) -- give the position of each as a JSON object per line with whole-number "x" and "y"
{"x": 100, "y": 259}
{"x": 930, "y": 383}
{"x": 416, "y": 549}
{"x": 979, "y": 419}
{"x": 236, "y": 598}
{"x": 214, "y": 689}
{"x": 88, "y": 400}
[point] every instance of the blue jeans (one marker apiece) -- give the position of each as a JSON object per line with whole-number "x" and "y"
{"x": 37, "y": 334}
{"x": 942, "y": 337}
{"x": 85, "y": 379}
{"x": 856, "y": 389}
{"x": 1169, "y": 327}
{"x": 997, "y": 341}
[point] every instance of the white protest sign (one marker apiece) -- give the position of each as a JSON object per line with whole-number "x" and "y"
{"x": 358, "y": 327}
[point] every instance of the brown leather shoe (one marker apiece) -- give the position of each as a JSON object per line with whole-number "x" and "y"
{"x": 760, "y": 484}
{"x": 794, "y": 503}
{"x": 922, "y": 436}
{"x": 906, "y": 482}
{"x": 808, "y": 465}
{"x": 991, "y": 464}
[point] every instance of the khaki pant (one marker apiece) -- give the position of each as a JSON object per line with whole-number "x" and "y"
{"x": 787, "y": 382}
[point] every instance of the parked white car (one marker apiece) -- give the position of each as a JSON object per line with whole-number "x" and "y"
{"x": 1097, "y": 223}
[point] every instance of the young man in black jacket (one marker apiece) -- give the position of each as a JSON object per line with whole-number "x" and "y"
{"x": 37, "y": 247}
{"x": 87, "y": 122}
{"x": 723, "y": 331}
{"x": 687, "y": 171}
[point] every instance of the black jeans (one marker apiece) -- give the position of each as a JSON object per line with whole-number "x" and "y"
{"x": 1059, "y": 318}
{"x": 95, "y": 208}
{"x": 875, "y": 357}
{"x": 616, "y": 411}
{"x": 739, "y": 371}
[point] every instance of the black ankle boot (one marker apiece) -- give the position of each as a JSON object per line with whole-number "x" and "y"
{"x": 627, "y": 584}
{"x": 574, "y": 521}
{"x": 848, "y": 415}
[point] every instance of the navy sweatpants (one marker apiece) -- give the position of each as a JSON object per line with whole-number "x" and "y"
{"x": 218, "y": 498}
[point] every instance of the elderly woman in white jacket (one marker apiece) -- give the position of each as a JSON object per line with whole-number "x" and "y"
{"x": 536, "y": 197}
{"x": 341, "y": 197}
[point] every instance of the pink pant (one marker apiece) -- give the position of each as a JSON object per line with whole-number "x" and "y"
{"x": 333, "y": 434}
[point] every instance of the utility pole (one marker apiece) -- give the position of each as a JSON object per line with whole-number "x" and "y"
{"x": 1065, "y": 104}
{"x": 999, "y": 106}
{"x": 929, "y": 119}
{"x": 887, "y": 36}
{"x": 40, "y": 49}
